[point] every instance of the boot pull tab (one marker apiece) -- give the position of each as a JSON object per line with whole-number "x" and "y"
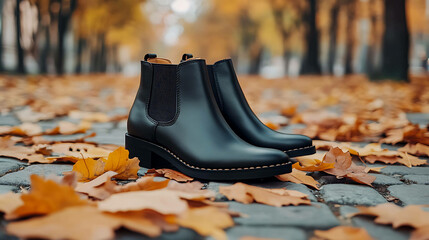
{"x": 186, "y": 56}
{"x": 149, "y": 56}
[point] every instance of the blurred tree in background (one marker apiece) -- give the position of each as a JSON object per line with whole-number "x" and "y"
{"x": 385, "y": 39}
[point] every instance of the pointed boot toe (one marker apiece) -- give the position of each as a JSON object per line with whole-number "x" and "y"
{"x": 240, "y": 117}
{"x": 176, "y": 123}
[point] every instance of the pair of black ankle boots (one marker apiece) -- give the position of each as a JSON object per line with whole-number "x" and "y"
{"x": 194, "y": 118}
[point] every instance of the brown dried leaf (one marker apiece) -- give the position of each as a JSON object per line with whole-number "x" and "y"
{"x": 68, "y": 128}
{"x": 170, "y": 174}
{"x": 297, "y": 176}
{"x": 162, "y": 201}
{"x": 344, "y": 167}
{"x": 9, "y": 202}
{"x": 416, "y": 149}
{"x": 246, "y": 194}
{"x": 81, "y": 223}
{"x": 389, "y": 213}
{"x": 45, "y": 196}
{"x": 25, "y": 129}
{"x": 343, "y": 232}
{"x": 207, "y": 221}
{"x": 119, "y": 162}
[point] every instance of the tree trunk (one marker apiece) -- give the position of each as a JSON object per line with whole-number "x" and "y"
{"x": 350, "y": 9}
{"x": 370, "y": 65}
{"x": 66, "y": 10}
{"x": 255, "y": 60}
{"x": 333, "y": 30}
{"x": 1, "y": 36}
{"x": 310, "y": 63}
{"x": 80, "y": 46}
{"x": 20, "y": 68}
{"x": 43, "y": 59}
{"x": 396, "y": 42}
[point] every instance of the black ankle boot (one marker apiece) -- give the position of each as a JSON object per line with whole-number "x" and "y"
{"x": 175, "y": 121}
{"x": 243, "y": 121}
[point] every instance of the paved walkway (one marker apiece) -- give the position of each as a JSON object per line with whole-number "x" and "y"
{"x": 331, "y": 204}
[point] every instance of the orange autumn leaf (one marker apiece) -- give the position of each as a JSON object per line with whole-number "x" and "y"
{"x": 45, "y": 196}
{"x": 416, "y": 149}
{"x": 145, "y": 184}
{"x": 81, "y": 223}
{"x": 389, "y": 213}
{"x": 100, "y": 188}
{"x": 9, "y": 202}
{"x": 318, "y": 166}
{"x": 297, "y": 176}
{"x": 343, "y": 233}
{"x": 170, "y": 174}
{"x": 162, "y": 201}
{"x": 68, "y": 128}
{"x": 25, "y": 129}
{"x": 118, "y": 162}
{"x": 345, "y": 167}
{"x": 246, "y": 194}
{"x": 272, "y": 125}
{"x": 207, "y": 221}
{"x": 421, "y": 233}
{"x": 88, "y": 168}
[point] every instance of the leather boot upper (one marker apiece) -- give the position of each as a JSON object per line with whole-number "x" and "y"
{"x": 175, "y": 109}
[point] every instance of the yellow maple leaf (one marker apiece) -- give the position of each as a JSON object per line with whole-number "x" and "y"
{"x": 89, "y": 168}
{"x": 119, "y": 162}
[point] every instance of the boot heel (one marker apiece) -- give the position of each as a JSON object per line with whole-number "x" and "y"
{"x": 140, "y": 149}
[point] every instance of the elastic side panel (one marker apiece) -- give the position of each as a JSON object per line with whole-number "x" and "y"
{"x": 214, "y": 84}
{"x": 162, "y": 104}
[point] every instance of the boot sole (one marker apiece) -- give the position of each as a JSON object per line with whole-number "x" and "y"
{"x": 301, "y": 151}
{"x": 154, "y": 156}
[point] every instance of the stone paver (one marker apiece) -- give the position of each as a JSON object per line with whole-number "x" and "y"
{"x": 377, "y": 231}
{"x": 8, "y": 119}
{"x": 385, "y": 180}
{"x": 9, "y": 165}
{"x": 404, "y": 170}
{"x": 23, "y": 177}
{"x": 420, "y": 179}
{"x": 289, "y": 233}
{"x": 349, "y": 194}
{"x": 116, "y": 137}
{"x": 317, "y": 216}
{"x": 6, "y": 188}
{"x": 411, "y": 194}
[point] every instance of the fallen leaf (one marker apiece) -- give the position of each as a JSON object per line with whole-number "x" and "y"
{"x": 318, "y": 166}
{"x": 119, "y": 162}
{"x": 79, "y": 150}
{"x": 389, "y": 213}
{"x": 81, "y": 223}
{"x": 272, "y": 125}
{"x": 68, "y": 128}
{"x": 8, "y": 149}
{"x": 373, "y": 169}
{"x": 421, "y": 233}
{"x": 88, "y": 168}
{"x": 344, "y": 167}
{"x": 257, "y": 238}
{"x": 416, "y": 149}
{"x": 207, "y": 221}
{"x": 89, "y": 116}
{"x": 145, "y": 184}
{"x": 300, "y": 177}
{"x": 45, "y": 196}
{"x": 246, "y": 194}
{"x": 9, "y": 202}
{"x": 170, "y": 174}
{"x": 162, "y": 201}
{"x": 99, "y": 188}
{"x": 343, "y": 233}
{"x": 25, "y": 129}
